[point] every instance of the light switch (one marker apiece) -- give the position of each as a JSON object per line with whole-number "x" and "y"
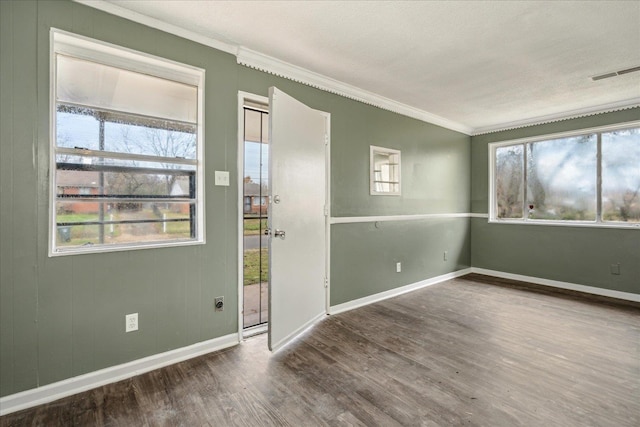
{"x": 222, "y": 178}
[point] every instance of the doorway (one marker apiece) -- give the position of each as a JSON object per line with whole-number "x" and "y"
{"x": 255, "y": 216}
{"x": 283, "y": 232}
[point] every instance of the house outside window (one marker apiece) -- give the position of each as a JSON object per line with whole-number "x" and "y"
{"x": 581, "y": 178}
{"x": 126, "y": 149}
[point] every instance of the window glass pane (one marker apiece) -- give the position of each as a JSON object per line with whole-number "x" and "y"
{"x": 265, "y": 128}
{"x": 256, "y": 165}
{"x": 621, "y": 175}
{"x": 85, "y": 222}
{"x": 136, "y": 139}
{"x": 101, "y": 86}
{"x": 509, "y": 171}
{"x": 80, "y": 128}
{"x": 561, "y": 179}
{"x": 77, "y": 129}
{"x": 72, "y": 183}
{"x": 252, "y": 125}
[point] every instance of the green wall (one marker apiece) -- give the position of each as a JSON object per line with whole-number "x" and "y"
{"x": 64, "y": 316}
{"x": 570, "y": 254}
{"x": 435, "y": 180}
{"x": 364, "y": 256}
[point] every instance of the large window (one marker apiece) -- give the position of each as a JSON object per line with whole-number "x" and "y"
{"x": 126, "y": 149}
{"x": 591, "y": 177}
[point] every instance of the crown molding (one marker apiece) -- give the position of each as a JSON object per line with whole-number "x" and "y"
{"x": 268, "y": 64}
{"x": 159, "y": 25}
{"x": 567, "y": 115}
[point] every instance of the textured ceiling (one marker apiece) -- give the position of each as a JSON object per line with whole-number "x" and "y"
{"x": 485, "y": 65}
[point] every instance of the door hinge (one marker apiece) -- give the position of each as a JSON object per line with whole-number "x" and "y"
{"x": 326, "y": 210}
{"x": 326, "y": 282}
{"x": 326, "y": 139}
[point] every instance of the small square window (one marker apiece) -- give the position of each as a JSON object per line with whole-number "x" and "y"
{"x": 384, "y": 171}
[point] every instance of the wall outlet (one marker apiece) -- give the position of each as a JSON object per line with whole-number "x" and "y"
{"x": 218, "y": 303}
{"x": 445, "y": 256}
{"x": 131, "y": 322}
{"x": 398, "y": 267}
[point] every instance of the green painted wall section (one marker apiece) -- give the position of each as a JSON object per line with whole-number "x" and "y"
{"x": 364, "y": 255}
{"x": 570, "y": 254}
{"x": 62, "y": 317}
{"x": 435, "y": 179}
{"x": 435, "y": 161}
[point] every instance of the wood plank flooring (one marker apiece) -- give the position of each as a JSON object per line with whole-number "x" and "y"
{"x": 474, "y": 351}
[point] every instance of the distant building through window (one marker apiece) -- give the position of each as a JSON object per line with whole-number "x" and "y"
{"x": 127, "y": 149}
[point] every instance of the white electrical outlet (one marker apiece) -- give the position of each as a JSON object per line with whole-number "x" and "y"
{"x": 398, "y": 267}
{"x": 131, "y": 322}
{"x": 446, "y": 253}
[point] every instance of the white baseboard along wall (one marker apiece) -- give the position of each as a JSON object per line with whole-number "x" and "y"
{"x": 68, "y": 387}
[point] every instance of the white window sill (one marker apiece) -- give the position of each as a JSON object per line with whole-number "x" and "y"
{"x": 92, "y": 249}
{"x": 580, "y": 224}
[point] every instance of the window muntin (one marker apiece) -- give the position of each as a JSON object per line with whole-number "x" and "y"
{"x": 557, "y": 180}
{"x": 621, "y": 175}
{"x": 127, "y": 149}
{"x": 561, "y": 179}
{"x": 509, "y": 181}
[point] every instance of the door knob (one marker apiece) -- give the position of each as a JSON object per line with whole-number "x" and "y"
{"x": 279, "y": 233}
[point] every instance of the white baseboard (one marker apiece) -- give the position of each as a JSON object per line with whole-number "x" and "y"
{"x": 50, "y": 392}
{"x": 68, "y": 387}
{"x": 350, "y": 305}
{"x": 557, "y": 284}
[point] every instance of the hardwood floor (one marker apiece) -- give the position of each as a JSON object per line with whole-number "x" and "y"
{"x": 473, "y": 351}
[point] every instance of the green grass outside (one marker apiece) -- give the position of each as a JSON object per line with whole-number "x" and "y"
{"x": 182, "y": 227}
{"x": 76, "y": 217}
{"x": 252, "y": 266}
{"x": 79, "y": 234}
{"x": 252, "y": 226}
{"x": 88, "y": 233}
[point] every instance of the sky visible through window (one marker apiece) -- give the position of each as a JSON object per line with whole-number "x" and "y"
{"x": 561, "y": 177}
{"x": 82, "y": 131}
{"x": 252, "y": 161}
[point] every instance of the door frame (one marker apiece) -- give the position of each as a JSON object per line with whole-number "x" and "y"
{"x": 242, "y": 97}
{"x": 247, "y": 96}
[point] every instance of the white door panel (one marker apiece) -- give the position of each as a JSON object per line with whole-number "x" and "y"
{"x": 298, "y": 195}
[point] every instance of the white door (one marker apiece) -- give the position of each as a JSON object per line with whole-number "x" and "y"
{"x": 298, "y": 196}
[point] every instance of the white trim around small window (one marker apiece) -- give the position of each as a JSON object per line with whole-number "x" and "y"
{"x": 583, "y": 178}
{"x": 127, "y": 151}
{"x": 384, "y": 171}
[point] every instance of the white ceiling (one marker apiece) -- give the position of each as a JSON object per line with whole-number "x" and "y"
{"x": 483, "y": 65}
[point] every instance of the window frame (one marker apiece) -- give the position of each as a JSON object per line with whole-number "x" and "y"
{"x": 598, "y": 222}
{"x": 373, "y": 149}
{"x": 85, "y": 48}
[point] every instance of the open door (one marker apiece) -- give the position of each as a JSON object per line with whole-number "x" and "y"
{"x": 298, "y": 194}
